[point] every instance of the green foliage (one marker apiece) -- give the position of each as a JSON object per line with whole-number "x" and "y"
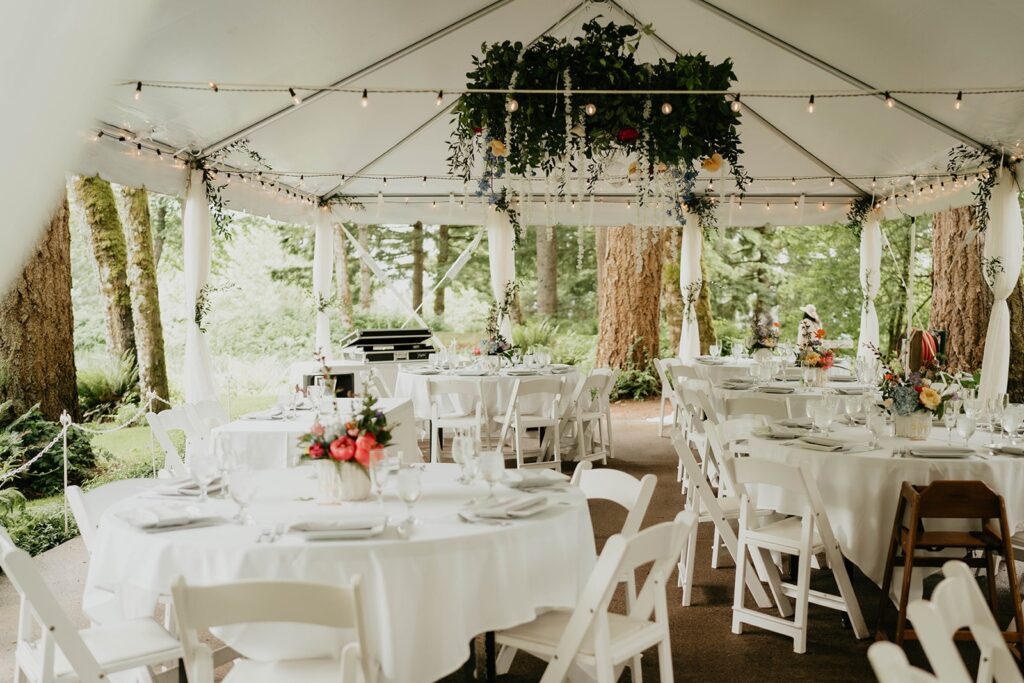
{"x": 574, "y": 349}
{"x": 23, "y": 436}
{"x": 42, "y": 528}
{"x": 535, "y": 335}
{"x": 638, "y": 379}
{"x": 12, "y": 504}
{"x": 106, "y": 385}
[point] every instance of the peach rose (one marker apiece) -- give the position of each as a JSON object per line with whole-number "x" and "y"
{"x": 498, "y": 148}
{"x": 930, "y": 398}
{"x": 712, "y": 163}
{"x": 342, "y": 449}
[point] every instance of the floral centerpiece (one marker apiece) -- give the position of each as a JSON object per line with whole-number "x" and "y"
{"x": 347, "y": 450}
{"x": 765, "y": 335}
{"x": 911, "y": 397}
{"x": 815, "y": 360}
{"x": 496, "y": 344}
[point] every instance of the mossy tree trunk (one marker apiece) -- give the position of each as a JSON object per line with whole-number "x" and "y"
{"x": 671, "y": 295}
{"x": 417, "y": 265}
{"x": 547, "y": 271}
{"x": 365, "y": 274}
{"x": 110, "y": 252}
{"x": 444, "y": 254}
{"x": 341, "y": 275}
{"x": 145, "y": 295}
{"x": 705, "y": 320}
{"x": 629, "y": 306}
{"x": 37, "y": 349}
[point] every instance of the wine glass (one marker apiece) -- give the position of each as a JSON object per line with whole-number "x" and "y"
{"x": 462, "y": 447}
{"x": 203, "y": 469}
{"x": 972, "y": 406}
{"x": 822, "y": 416}
{"x": 410, "y": 487}
{"x": 949, "y": 416}
{"x": 715, "y": 350}
{"x": 380, "y": 470}
{"x": 224, "y": 457}
{"x": 1013, "y": 416}
{"x": 995, "y": 413}
{"x": 242, "y": 484}
{"x": 853, "y": 406}
{"x": 878, "y": 426}
{"x": 965, "y": 427}
{"x": 492, "y": 469}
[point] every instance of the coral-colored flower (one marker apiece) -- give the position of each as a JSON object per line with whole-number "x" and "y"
{"x": 315, "y": 450}
{"x": 628, "y": 134}
{"x": 498, "y": 148}
{"x": 820, "y": 333}
{"x": 343, "y": 448}
{"x": 712, "y": 163}
{"x": 363, "y": 456}
{"x": 317, "y": 429}
{"x": 366, "y": 441}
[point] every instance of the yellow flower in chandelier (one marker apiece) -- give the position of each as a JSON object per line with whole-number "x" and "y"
{"x": 498, "y": 148}
{"x": 930, "y": 398}
{"x": 712, "y": 163}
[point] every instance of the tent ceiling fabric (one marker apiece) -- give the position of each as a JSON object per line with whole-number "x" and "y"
{"x": 888, "y": 45}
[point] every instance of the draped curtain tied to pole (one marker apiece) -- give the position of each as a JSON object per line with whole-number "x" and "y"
{"x": 870, "y": 281}
{"x": 1001, "y": 264}
{"x": 199, "y": 384}
{"x": 500, "y": 249}
{"x": 323, "y": 268}
{"x": 690, "y": 284}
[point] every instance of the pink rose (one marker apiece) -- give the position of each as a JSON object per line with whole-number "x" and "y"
{"x": 363, "y": 457}
{"x": 315, "y": 451}
{"x": 342, "y": 449}
{"x": 366, "y": 441}
{"x": 317, "y": 429}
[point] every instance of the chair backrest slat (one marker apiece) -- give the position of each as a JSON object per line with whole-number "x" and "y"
{"x": 162, "y": 424}
{"x": 88, "y": 506}
{"x": 632, "y": 494}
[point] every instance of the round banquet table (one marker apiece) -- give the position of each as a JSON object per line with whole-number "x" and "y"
{"x": 718, "y": 370}
{"x": 860, "y": 488}
{"x": 798, "y": 400}
{"x": 497, "y": 390}
{"x": 425, "y": 598}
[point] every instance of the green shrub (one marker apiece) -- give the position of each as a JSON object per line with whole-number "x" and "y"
{"x": 638, "y": 380}
{"x": 534, "y": 336}
{"x": 574, "y": 349}
{"x": 133, "y": 465}
{"x": 106, "y": 385}
{"x": 23, "y": 436}
{"x": 40, "y": 529}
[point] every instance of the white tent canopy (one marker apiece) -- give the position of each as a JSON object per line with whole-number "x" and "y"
{"x": 786, "y": 46}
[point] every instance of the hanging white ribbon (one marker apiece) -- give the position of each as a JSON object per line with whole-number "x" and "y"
{"x": 199, "y": 384}
{"x": 1001, "y": 265}
{"x": 870, "y": 281}
{"x": 323, "y": 269}
{"x": 690, "y": 284}
{"x": 455, "y": 269}
{"x": 502, "y": 255}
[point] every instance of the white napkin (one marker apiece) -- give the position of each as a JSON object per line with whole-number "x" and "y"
{"x": 821, "y": 443}
{"x": 842, "y": 378}
{"x": 529, "y": 479}
{"x": 941, "y": 451}
{"x": 186, "y": 487}
{"x": 775, "y": 431}
{"x": 804, "y": 422}
{"x": 520, "y": 506}
{"x": 737, "y": 384}
{"x": 271, "y": 414}
{"x": 850, "y": 391}
{"x": 773, "y": 389}
{"x": 470, "y": 372}
{"x": 153, "y": 517}
{"x": 1008, "y": 450}
{"x": 332, "y": 523}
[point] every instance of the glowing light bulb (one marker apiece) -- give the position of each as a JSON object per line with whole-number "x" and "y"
{"x": 138, "y": 90}
{"x": 889, "y": 101}
{"x": 959, "y": 100}
{"x": 666, "y": 108}
{"x": 295, "y": 98}
{"x": 590, "y": 108}
{"x": 365, "y": 100}
{"x": 440, "y": 98}
{"x": 736, "y": 106}
{"x": 512, "y": 105}
{"x": 810, "y": 105}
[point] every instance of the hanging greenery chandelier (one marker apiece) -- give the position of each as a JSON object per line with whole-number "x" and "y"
{"x": 658, "y": 142}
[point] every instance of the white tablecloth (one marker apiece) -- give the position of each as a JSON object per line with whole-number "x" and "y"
{"x": 723, "y": 369}
{"x": 274, "y": 444}
{"x": 497, "y": 391}
{"x": 861, "y": 490}
{"x": 798, "y": 400}
{"x": 424, "y": 598}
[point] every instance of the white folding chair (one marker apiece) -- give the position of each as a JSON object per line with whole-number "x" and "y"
{"x": 204, "y": 416}
{"x": 666, "y": 370}
{"x": 372, "y": 383}
{"x": 702, "y": 501}
{"x": 889, "y": 662}
{"x": 695, "y": 408}
{"x": 957, "y": 603}
{"x": 50, "y": 649}
{"x": 803, "y": 535}
{"x": 162, "y": 424}
{"x": 738, "y": 406}
{"x": 586, "y": 419}
{"x": 605, "y": 403}
{"x": 466, "y": 395}
{"x": 88, "y": 506}
{"x": 549, "y": 391}
{"x": 269, "y": 602}
{"x": 602, "y": 642}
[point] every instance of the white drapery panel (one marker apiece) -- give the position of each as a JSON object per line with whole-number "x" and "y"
{"x": 323, "y": 269}
{"x": 870, "y": 281}
{"x": 58, "y": 58}
{"x": 500, "y": 241}
{"x": 1001, "y": 263}
{"x": 199, "y": 385}
{"x": 690, "y": 284}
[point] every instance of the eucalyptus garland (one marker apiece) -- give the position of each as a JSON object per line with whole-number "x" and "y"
{"x": 214, "y": 192}
{"x": 858, "y": 213}
{"x": 989, "y": 160}
{"x": 522, "y": 134}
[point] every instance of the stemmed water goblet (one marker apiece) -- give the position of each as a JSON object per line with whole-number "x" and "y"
{"x": 410, "y": 488}
{"x": 224, "y": 458}
{"x": 380, "y": 470}
{"x": 463, "y": 452}
{"x": 822, "y": 416}
{"x": 878, "y": 426}
{"x": 203, "y": 469}
{"x": 1013, "y": 417}
{"x": 965, "y": 427}
{"x": 715, "y": 350}
{"x": 949, "y": 416}
{"x": 492, "y": 469}
{"x": 242, "y": 484}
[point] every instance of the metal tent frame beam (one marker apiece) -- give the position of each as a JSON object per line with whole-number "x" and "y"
{"x": 837, "y": 72}
{"x": 355, "y": 75}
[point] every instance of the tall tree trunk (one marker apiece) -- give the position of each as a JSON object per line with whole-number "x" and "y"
{"x": 341, "y": 276}
{"x": 961, "y": 301}
{"x": 444, "y": 248}
{"x": 417, "y": 266}
{"x": 1015, "y": 386}
{"x": 547, "y": 271}
{"x": 705, "y": 320}
{"x": 365, "y": 275}
{"x": 110, "y": 252}
{"x": 629, "y": 300}
{"x": 37, "y": 348}
{"x": 159, "y": 228}
{"x": 142, "y": 284}
{"x": 600, "y": 257}
{"x": 671, "y": 296}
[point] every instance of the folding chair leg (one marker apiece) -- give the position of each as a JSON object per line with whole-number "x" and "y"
{"x": 803, "y": 589}
{"x": 635, "y": 671}
{"x": 842, "y": 577}
{"x": 774, "y": 582}
{"x": 661, "y": 416}
{"x": 716, "y": 543}
{"x": 686, "y": 566}
{"x": 503, "y": 662}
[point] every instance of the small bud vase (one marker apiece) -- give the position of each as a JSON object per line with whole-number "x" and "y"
{"x": 916, "y": 426}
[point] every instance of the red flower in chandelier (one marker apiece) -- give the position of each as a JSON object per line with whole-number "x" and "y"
{"x": 628, "y": 135}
